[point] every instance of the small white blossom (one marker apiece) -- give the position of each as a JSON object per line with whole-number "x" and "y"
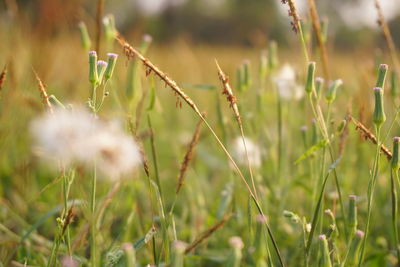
{"x": 285, "y": 81}
{"x": 76, "y": 136}
{"x": 239, "y": 152}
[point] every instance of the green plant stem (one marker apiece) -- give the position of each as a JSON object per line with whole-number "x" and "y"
{"x": 394, "y": 214}
{"x": 303, "y": 42}
{"x": 93, "y": 216}
{"x": 270, "y": 234}
{"x": 370, "y": 194}
{"x": 322, "y": 126}
{"x": 315, "y": 218}
{"x": 280, "y": 147}
{"x": 66, "y": 187}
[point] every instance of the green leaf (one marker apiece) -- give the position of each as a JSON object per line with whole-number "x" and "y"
{"x": 311, "y": 150}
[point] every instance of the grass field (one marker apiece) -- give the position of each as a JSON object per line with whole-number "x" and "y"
{"x": 278, "y": 157}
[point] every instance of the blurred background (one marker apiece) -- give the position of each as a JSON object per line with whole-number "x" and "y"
{"x": 233, "y": 22}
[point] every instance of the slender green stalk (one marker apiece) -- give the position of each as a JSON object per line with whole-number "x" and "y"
{"x": 393, "y": 190}
{"x": 323, "y": 129}
{"x": 315, "y": 218}
{"x": 370, "y": 194}
{"x": 93, "y": 251}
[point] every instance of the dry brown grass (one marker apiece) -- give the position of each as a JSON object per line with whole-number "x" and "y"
{"x": 188, "y": 156}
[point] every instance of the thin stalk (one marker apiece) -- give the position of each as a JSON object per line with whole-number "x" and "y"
{"x": 66, "y": 185}
{"x": 322, "y": 126}
{"x": 93, "y": 215}
{"x": 371, "y": 189}
{"x": 315, "y": 218}
{"x": 280, "y": 144}
{"x": 303, "y": 42}
{"x": 394, "y": 215}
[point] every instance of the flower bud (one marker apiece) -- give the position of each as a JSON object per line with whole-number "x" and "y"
{"x": 325, "y": 260}
{"x": 310, "y": 87}
{"x": 101, "y": 69}
{"x": 85, "y": 38}
{"x": 319, "y": 84}
{"x": 352, "y": 214}
{"x": 353, "y": 252}
{"x": 331, "y": 94}
{"x": 112, "y": 60}
{"x": 379, "y": 116}
{"x": 93, "y": 76}
{"x": 395, "y": 163}
{"x": 178, "y": 249}
{"x": 383, "y": 68}
{"x": 236, "y": 257}
{"x": 109, "y": 27}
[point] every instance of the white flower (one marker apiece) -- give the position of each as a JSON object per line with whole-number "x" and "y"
{"x": 115, "y": 152}
{"x": 76, "y": 136}
{"x": 61, "y": 136}
{"x": 285, "y": 81}
{"x": 239, "y": 152}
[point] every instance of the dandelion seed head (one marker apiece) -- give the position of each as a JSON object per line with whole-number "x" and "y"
{"x": 285, "y": 81}
{"x": 239, "y": 152}
{"x": 77, "y": 136}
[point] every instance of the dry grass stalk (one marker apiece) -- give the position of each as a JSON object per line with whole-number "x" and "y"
{"x": 229, "y": 93}
{"x": 131, "y": 52}
{"x": 388, "y": 36}
{"x": 43, "y": 93}
{"x": 368, "y": 135}
{"x": 188, "y": 156}
{"x": 293, "y": 13}
{"x": 203, "y": 236}
{"x": 233, "y": 104}
{"x": 3, "y": 76}
{"x": 321, "y": 44}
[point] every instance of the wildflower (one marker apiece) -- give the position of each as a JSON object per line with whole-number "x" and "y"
{"x": 239, "y": 152}
{"x": 76, "y": 136}
{"x": 285, "y": 81}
